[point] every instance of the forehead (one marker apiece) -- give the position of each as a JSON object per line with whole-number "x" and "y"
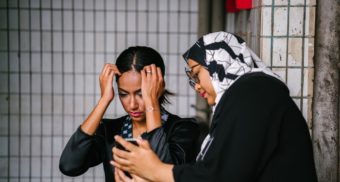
{"x": 130, "y": 81}
{"x": 192, "y": 63}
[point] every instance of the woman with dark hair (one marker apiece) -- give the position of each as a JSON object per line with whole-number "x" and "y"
{"x": 139, "y": 73}
{"x": 257, "y": 132}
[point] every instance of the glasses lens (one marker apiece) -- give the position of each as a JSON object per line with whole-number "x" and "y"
{"x": 192, "y": 81}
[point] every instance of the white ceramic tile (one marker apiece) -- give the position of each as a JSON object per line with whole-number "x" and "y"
{"x": 121, "y": 5}
{"x": 68, "y": 63}
{"x": 110, "y": 21}
{"x": 79, "y": 42}
{"x": 163, "y": 5}
{"x": 132, "y": 21}
{"x": 89, "y": 42}
{"x": 79, "y": 20}
{"x": 68, "y": 20}
{"x": 295, "y": 52}
{"x": 265, "y": 53}
{"x": 121, "y": 42}
{"x": 99, "y": 21}
{"x": 35, "y": 4}
{"x": 311, "y": 2}
{"x": 46, "y": 170}
{"x": 131, "y": 5}
{"x": 280, "y": 21}
{"x": 46, "y": 41}
{"x": 4, "y": 166}
{"x": 57, "y": 146}
{"x": 310, "y": 21}
{"x": 163, "y": 23}
{"x": 25, "y": 146}
{"x": 89, "y": 21}
{"x": 36, "y": 130}
{"x": 162, "y": 43}
{"x": 36, "y": 39}
{"x": 13, "y": 62}
{"x": 24, "y": 62}
{"x": 25, "y": 106}
{"x": 309, "y": 52}
{"x": 25, "y": 83}
{"x": 13, "y": 43}
{"x": 3, "y": 19}
{"x": 266, "y": 21}
{"x": 132, "y": 39}
{"x": 152, "y": 5}
{"x": 68, "y": 84}
{"x": 57, "y": 109}
{"x": 294, "y": 81}
{"x": 14, "y": 167}
{"x": 25, "y": 41}
{"x": 14, "y": 124}
{"x": 279, "y": 51}
{"x": 184, "y": 5}
{"x": 173, "y": 22}
{"x": 68, "y": 126}
{"x": 57, "y": 83}
{"x": 36, "y": 83}
{"x": 110, "y": 42}
{"x": 4, "y": 83}
{"x": 88, "y": 4}
{"x": 79, "y": 84}
{"x": 35, "y": 19}
{"x": 152, "y": 21}
{"x": 193, "y": 23}
{"x": 281, "y": 2}
{"x": 99, "y": 4}
{"x": 4, "y": 121}
{"x": 296, "y": 21}
{"x": 4, "y": 146}
{"x": 79, "y": 102}
{"x": 182, "y": 80}
{"x": 36, "y": 106}
{"x": 4, "y": 40}
{"x": 3, "y": 4}
{"x": 46, "y": 63}
{"x": 267, "y": 2}
{"x": 100, "y": 42}
{"x": 183, "y": 22}
{"x": 46, "y": 104}
{"x": 57, "y": 41}
{"x": 67, "y": 4}
{"x": 56, "y": 4}
{"x": 36, "y": 166}
{"x": 142, "y": 5}
{"x": 174, "y": 5}
{"x": 13, "y": 19}
{"x": 24, "y": 19}
{"x": 79, "y": 63}
{"x": 173, "y": 43}
{"x": 24, "y": 169}
{"x": 14, "y": 83}
{"x": 308, "y": 82}
{"x": 110, "y": 5}
{"x": 46, "y": 20}
{"x": 297, "y": 2}
{"x": 4, "y": 61}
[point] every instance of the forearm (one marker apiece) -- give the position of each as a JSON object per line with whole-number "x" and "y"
{"x": 153, "y": 115}
{"x": 91, "y": 123}
{"x": 164, "y": 173}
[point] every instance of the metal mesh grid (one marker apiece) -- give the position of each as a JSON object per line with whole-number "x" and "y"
{"x": 51, "y": 53}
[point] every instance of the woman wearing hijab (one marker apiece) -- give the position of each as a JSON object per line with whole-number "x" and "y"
{"x": 139, "y": 74}
{"x": 257, "y": 132}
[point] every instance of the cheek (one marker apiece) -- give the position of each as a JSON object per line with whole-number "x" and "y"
{"x": 125, "y": 101}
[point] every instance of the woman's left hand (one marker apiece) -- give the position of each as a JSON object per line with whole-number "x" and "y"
{"x": 152, "y": 84}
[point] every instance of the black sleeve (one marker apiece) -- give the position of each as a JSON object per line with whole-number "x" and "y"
{"x": 245, "y": 134}
{"x": 81, "y": 152}
{"x": 177, "y": 144}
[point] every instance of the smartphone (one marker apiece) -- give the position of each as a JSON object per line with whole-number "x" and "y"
{"x": 131, "y": 140}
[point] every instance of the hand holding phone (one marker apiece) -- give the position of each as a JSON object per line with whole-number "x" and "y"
{"x": 131, "y": 140}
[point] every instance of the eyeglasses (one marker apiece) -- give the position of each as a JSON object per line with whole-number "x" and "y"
{"x": 193, "y": 79}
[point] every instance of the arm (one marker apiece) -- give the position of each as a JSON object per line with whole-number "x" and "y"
{"x": 84, "y": 148}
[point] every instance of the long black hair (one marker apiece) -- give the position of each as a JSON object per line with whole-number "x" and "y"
{"x": 135, "y": 58}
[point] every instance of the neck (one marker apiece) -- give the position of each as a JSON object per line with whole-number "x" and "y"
{"x": 138, "y": 128}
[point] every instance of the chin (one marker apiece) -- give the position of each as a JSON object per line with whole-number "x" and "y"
{"x": 211, "y": 102}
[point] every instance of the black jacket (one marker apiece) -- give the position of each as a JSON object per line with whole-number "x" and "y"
{"x": 174, "y": 142}
{"x": 259, "y": 135}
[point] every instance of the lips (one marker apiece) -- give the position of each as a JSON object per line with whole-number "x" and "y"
{"x": 202, "y": 94}
{"x": 136, "y": 114}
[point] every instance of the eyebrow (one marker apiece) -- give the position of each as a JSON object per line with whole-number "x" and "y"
{"x": 122, "y": 90}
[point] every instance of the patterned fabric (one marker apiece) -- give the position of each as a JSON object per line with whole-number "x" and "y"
{"x": 226, "y": 57}
{"x": 127, "y": 124}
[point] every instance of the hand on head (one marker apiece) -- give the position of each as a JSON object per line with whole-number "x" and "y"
{"x": 106, "y": 81}
{"x": 152, "y": 83}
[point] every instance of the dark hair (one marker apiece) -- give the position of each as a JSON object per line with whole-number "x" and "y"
{"x": 135, "y": 58}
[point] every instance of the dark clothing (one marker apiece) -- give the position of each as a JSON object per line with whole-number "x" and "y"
{"x": 173, "y": 143}
{"x": 259, "y": 135}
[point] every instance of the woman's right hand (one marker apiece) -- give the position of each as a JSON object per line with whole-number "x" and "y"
{"x": 106, "y": 81}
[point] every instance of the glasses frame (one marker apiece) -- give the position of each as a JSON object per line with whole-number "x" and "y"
{"x": 192, "y": 80}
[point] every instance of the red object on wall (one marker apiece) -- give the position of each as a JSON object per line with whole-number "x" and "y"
{"x": 233, "y": 6}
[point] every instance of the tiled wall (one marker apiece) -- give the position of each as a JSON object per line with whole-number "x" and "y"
{"x": 51, "y": 53}
{"x": 287, "y": 46}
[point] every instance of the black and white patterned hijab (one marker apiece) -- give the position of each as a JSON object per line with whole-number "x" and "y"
{"x": 227, "y": 58}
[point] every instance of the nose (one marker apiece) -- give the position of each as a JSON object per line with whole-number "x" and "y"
{"x": 133, "y": 103}
{"x": 197, "y": 87}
